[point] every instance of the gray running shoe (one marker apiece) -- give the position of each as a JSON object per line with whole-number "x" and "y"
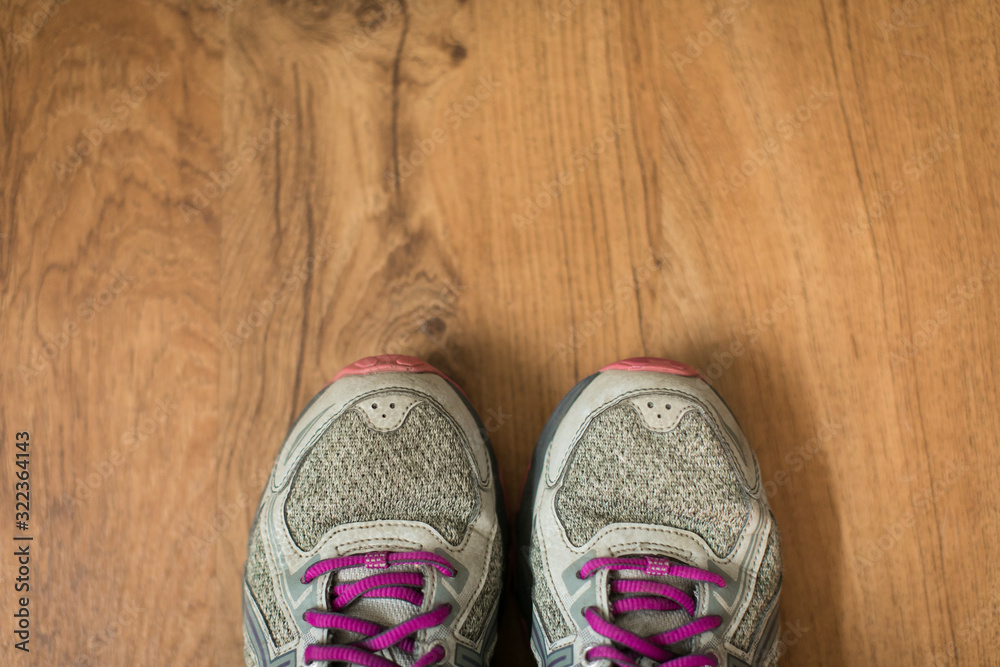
{"x": 378, "y": 540}
{"x": 645, "y": 536}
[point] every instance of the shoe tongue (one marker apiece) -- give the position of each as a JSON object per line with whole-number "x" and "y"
{"x": 646, "y": 623}
{"x": 387, "y": 612}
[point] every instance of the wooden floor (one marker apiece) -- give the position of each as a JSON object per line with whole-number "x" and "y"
{"x": 210, "y": 207}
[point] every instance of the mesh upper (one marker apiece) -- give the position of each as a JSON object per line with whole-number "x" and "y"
{"x": 764, "y": 591}
{"x": 418, "y": 472}
{"x": 258, "y": 576}
{"x": 544, "y": 599}
{"x": 249, "y": 657}
{"x": 474, "y": 624}
{"x": 622, "y": 472}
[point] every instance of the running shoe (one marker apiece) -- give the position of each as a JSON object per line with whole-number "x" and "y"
{"x": 379, "y": 539}
{"x": 644, "y": 536}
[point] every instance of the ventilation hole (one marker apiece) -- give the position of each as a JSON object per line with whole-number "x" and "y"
{"x": 649, "y": 405}
{"x": 383, "y": 416}
{"x": 392, "y": 406}
{"x": 658, "y": 416}
{"x": 374, "y": 405}
{"x": 668, "y": 406}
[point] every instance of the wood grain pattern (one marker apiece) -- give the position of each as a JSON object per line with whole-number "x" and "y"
{"x": 210, "y": 207}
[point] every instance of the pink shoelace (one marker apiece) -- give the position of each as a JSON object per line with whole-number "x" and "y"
{"x": 647, "y": 594}
{"x": 406, "y": 586}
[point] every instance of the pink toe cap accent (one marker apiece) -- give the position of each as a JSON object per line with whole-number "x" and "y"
{"x": 388, "y": 363}
{"x": 391, "y": 363}
{"x": 653, "y": 364}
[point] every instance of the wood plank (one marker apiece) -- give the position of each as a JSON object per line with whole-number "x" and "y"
{"x": 109, "y": 326}
{"x": 800, "y": 199}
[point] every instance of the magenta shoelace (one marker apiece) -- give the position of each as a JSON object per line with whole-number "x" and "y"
{"x": 646, "y": 594}
{"x": 406, "y": 586}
